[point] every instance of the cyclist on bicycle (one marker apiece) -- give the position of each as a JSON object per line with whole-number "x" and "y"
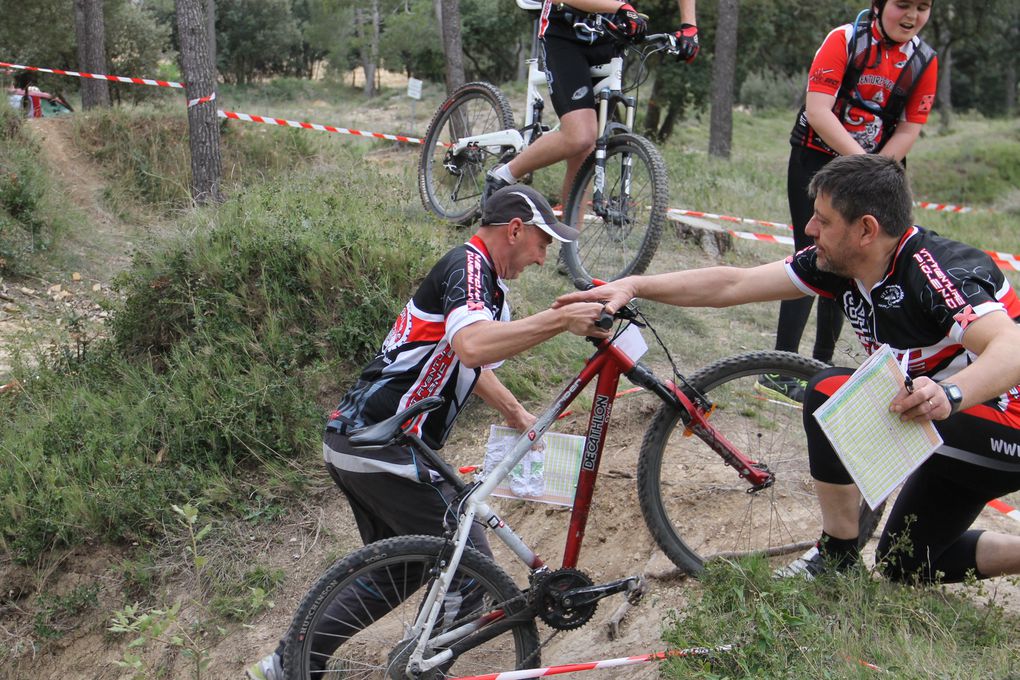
{"x": 569, "y": 48}
{"x": 943, "y": 304}
{"x": 446, "y": 342}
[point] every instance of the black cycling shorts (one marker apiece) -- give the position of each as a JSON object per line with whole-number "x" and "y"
{"x": 568, "y": 71}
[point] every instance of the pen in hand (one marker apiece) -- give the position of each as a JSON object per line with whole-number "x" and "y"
{"x": 908, "y": 383}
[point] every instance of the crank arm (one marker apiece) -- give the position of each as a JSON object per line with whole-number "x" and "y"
{"x": 579, "y": 597}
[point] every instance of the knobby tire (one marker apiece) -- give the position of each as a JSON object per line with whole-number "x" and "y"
{"x": 624, "y": 241}
{"x": 381, "y": 587}
{"x": 697, "y": 507}
{"x": 455, "y": 194}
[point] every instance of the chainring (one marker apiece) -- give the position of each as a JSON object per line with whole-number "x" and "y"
{"x": 546, "y": 598}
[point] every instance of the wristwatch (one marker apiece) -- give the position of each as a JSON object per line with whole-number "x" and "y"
{"x": 954, "y": 395}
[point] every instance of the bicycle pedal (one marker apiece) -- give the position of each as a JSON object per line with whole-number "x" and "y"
{"x": 636, "y": 590}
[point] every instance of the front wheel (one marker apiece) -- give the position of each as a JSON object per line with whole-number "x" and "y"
{"x": 450, "y": 183}
{"x": 696, "y": 506}
{"x": 620, "y": 233}
{"x": 353, "y": 622}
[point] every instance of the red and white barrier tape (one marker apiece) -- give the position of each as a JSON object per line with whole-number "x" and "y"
{"x": 1005, "y": 261}
{"x": 945, "y": 207}
{"x": 1005, "y": 508}
{"x": 730, "y": 218}
{"x": 97, "y": 76}
{"x": 201, "y": 100}
{"x": 597, "y": 665}
{"x": 942, "y": 207}
{"x": 233, "y": 115}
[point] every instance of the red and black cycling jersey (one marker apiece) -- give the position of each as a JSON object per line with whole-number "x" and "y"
{"x": 416, "y": 359}
{"x": 884, "y": 63}
{"x": 934, "y": 289}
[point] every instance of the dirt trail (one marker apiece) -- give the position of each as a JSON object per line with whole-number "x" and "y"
{"x": 101, "y": 241}
{"x": 96, "y": 245}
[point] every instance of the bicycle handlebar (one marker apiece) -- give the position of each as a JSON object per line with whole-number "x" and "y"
{"x": 663, "y": 40}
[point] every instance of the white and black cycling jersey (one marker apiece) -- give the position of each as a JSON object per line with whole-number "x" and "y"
{"x": 416, "y": 359}
{"x": 934, "y": 288}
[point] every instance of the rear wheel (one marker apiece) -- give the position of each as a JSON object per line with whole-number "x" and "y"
{"x": 697, "y": 507}
{"x": 451, "y": 183}
{"x": 353, "y": 622}
{"x": 619, "y": 238}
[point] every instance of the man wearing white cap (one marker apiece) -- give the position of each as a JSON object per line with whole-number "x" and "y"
{"x": 446, "y": 342}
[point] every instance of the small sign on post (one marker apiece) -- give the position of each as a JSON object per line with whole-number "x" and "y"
{"x": 414, "y": 88}
{"x": 414, "y": 92}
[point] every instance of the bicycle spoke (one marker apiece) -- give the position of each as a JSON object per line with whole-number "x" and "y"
{"x": 697, "y": 507}
{"x": 450, "y": 184}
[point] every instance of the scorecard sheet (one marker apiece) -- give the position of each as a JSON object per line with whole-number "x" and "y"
{"x": 877, "y": 448}
{"x": 546, "y": 476}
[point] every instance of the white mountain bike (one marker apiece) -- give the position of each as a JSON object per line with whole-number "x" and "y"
{"x": 619, "y": 197}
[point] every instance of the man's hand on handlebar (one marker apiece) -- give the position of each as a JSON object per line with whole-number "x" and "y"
{"x": 580, "y": 318}
{"x": 687, "y": 44}
{"x": 615, "y": 295}
{"x": 630, "y": 22}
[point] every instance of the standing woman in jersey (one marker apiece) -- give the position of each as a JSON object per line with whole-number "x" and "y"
{"x": 870, "y": 89}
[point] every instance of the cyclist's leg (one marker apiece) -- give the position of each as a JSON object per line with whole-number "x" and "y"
{"x": 928, "y": 533}
{"x": 830, "y": 323}
{"x": 384, "y": 505}
{"x": 838, "y": 497}
{"x": 573, "y": 142}
{"x": 568, "y": 75}
{"x": 793, "y": 314}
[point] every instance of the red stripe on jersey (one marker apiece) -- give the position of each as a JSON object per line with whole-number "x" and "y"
{"x": 543, "y": 22}
{"x": 431, "y": 382}
{"x": 1009, "y": 418}
{"x": 427, "y": 331}
{"x": 475, "y": 289}
{"x": 1012, "y": 303}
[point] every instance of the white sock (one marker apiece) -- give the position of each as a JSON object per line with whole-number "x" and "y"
{"x": 503, "y": 172}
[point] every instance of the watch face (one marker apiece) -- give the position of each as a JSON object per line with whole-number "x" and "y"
{"x": 953, "y": 393}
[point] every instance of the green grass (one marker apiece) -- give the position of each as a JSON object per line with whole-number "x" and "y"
{"x": 832, "y": 627}
{"x": 32, "y": 214}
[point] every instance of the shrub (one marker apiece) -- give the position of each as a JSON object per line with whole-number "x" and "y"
{"x": 770, "y": 91}
{"x": 211, "y": 365}
{"x": 145, "y": 150}
{"x": 28, "y": 212}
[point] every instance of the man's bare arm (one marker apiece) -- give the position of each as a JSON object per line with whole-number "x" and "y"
{"x": 709, "y": 287}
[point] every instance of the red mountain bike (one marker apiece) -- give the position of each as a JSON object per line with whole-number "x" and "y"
{"x": 722, "y": 472}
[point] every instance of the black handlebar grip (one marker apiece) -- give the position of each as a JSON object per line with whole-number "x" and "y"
{"x": 605, "y": 321}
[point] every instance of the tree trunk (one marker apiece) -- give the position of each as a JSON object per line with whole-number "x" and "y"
{"x": 203, "y": 128}
{"x": 91, "y": 36}
{"x": 210, "y": 23}
{"x": 944, "y": 94}
{"x": 654, "y": 110}
{"x": 368, "y": 33}
{"x": 448, "y": 13}
{"x": 724, "y": 67}
{"x": 1010, "y": 100}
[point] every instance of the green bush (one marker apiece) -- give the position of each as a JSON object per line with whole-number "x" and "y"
{"x": 28, "y": 215}
{"x": 770, "y": 91}
{"x": 213, "y": 367}
{"x": 146, "y": 152}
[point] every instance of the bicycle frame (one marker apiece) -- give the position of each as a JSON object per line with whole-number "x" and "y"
{"x": 612, "y": 359}
{"x": 607, "y": 89}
